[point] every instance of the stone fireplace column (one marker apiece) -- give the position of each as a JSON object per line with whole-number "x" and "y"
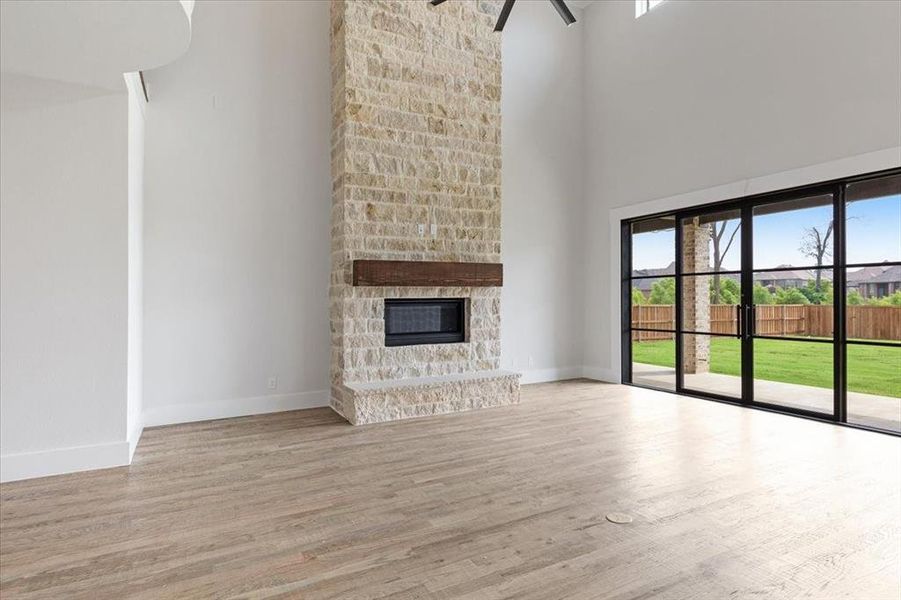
{"x": 416, "y": 173}
{"x": 695, "y": 296}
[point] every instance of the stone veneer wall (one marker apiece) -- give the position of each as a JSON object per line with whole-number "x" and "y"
{"x": 696, "y": 296}
{"x": 416, "y": 141}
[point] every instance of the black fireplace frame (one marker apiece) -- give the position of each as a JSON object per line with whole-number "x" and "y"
{"x": 427, "y": 337}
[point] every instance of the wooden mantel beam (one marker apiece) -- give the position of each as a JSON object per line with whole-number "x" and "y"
{"x": 392, "y": 273}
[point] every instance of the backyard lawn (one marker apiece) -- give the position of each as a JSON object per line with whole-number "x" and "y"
{"x": 871, "y": 369}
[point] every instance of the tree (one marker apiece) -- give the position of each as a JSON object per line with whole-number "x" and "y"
{"x": 719, "y": 254}
{"x": 727, "y": 293}
{"x": 663, "y": 291}
{"x": 637, "y": 297}
{"x": 815, "y": 244}
{"x": 823, "y": 295}
{"x": 891, "y": 300}
{"x": 855, "y": 299}
{"x": 762, "y": 295}
{"x": 790, "y": 296}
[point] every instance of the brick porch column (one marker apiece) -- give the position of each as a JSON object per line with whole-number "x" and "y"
{"x": 695, "y": 296}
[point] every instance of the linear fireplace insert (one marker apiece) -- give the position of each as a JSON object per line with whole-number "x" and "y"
{"x": 411, "y": 321}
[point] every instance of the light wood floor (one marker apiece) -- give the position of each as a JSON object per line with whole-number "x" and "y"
{"x": 728, "y": 503}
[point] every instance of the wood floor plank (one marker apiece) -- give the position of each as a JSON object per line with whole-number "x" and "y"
{"x": 500, "y": 503}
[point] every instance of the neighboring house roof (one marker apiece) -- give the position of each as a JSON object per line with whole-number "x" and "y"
{"x": 651, "y": 276}
{"x": 879, "y": 274}
{"x": 670, "y": 269}
{"x": 864, "y": 274}
{"x": 791, "y": 274}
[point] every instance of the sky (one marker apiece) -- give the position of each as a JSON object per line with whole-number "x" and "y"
{"x": 873, "y": 233}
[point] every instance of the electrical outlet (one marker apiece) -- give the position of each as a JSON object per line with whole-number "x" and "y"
{"x": 531, "y": 361}
{"x": 421, "y": 229}
{"x": 434, "y": 229}
{"x": 272, "y": 382}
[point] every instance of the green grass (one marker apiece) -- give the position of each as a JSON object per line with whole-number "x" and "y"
{"x": 871, "y": 369}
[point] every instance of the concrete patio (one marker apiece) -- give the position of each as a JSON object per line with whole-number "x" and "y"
{"x": 883, "y": 412}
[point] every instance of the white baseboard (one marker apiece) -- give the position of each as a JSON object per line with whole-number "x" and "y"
{"x": 562, "y": 373}
{"x": 14, "y": 467}
{"x": 134, "y": 436}
{"x": 601, "y": 374}
{"x": 29, "y": 465}
{"x": 242, "y": 407}
{"x": 553, "y": 374}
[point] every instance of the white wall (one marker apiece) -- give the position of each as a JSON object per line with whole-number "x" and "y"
{"x": 135, "y": 371}
{"x": 541, "y": 105}
{"x": 237, "y": 201}
{"x": 235, "y": 248}
{"x": 697, "y": 94}
{"x": 63, "y": 273}
{"x": 237, "y": 209}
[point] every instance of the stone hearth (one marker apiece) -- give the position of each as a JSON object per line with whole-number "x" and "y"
{"x": 416, "y": 167}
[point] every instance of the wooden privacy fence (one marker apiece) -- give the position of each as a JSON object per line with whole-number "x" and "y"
{"x": 783, "y": 319}
{"x": 873, "y": 322}
{"x": 864, "y": 322}
{"x": 656, "y": 316}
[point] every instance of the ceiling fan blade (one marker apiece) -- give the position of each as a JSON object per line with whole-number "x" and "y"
{"x": 437, "y": 2}
{"x": 505, "y": 12}
{"x": 564, "y": 12}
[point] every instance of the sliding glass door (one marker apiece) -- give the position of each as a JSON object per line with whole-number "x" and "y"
{"x": 791, "y": 318}
{"x": 651, "y": 298}
{"x": 788, "y": 301}
{"x": 709, "y": 302}
{"x": 872, "y": 313}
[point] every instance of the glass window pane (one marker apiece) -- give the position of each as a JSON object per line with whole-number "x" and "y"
{"x": 712, "y": 242}
{"x": 654, "y": 247}
{"x": 874, "y": 386}
{"x": 793, "y": 233}
{"x": 710, "y": 303}
{"x": 653, "y": 317}
{"x": 871, "y": 314}
{"x": 712, "y": 364}
{"x": 873, "y": 213}
{"x": 793, "y": 303}
{"x": 794, "y": 374}
{"x": 654, "y": 360}
{"x": 654, "y": 291}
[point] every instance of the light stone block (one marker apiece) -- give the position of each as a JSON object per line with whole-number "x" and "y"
{"x": 415, "y": 140}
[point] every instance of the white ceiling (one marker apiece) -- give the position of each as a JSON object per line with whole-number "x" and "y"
{"x": 90, "y": 42}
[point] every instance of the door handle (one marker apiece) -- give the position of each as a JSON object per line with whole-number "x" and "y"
{"x": 748, "y": 323}
{"x": 750, "y": 320}
{"x": 738, "y": 322}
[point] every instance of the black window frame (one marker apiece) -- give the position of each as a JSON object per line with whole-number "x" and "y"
{"x": 745, "y": 204}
